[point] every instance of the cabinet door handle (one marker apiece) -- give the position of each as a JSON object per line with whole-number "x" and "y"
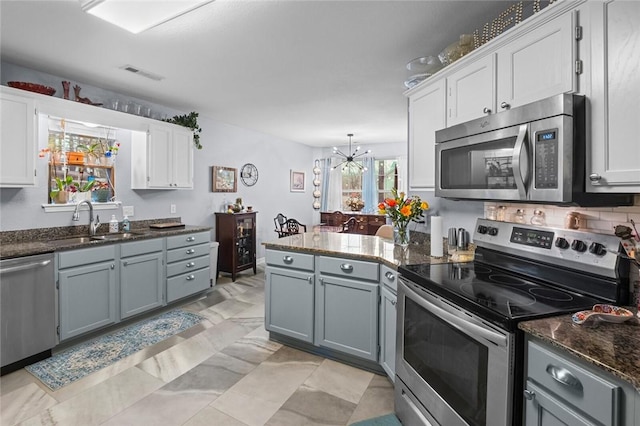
{"x": 594, "y": 177}
{"x": 486, "y": 110}
{"x": 393, "y": 302}
{"x": 321, "y": 281}
{"x": 191, "y": 264}
{"x": 564, "y": 376}
{"x": 529, "y": 394}
{"x": 505, "y": 105}
{"x": 125, "y": 263}
{"x": 191, "y": 239}
{"x": 346, "y": 267}
{"x": 310, "y": 279}
{"x": 113, "y": 266}
{"x": 191, "y": 251}
{"x": 389, "y": 276}
{"x": 191, "y": 277}
{"x": 288, "y": 260}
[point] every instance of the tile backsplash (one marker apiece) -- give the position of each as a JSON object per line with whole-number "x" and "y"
{"x": 595, "y": 219}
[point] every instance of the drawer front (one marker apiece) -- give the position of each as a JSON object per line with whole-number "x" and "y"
{"x": 349, "y": 268}
{"x": 591, "y": 394}
{"x": 377, "y": 220}
{"x": 140, "y": 247}
{"x": 189, "y": 265}
{"x": 188, "y": 252}
{"x": 361, "y": 219}
{"x": 68, "y": 259}
{"x": 389, "y": 278}
{"x": 187, "y": 284}
{"x": 185, "y": 240}
{"x": 288, "y": 259}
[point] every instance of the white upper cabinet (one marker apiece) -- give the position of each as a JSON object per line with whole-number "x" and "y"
{"x": 471, "y": 91}
{"x": 538, "y": 64}
{"x": 18, "y": 148}
{"x": 427, "y": 108}
{"x": 612, "y": 80}
{"x": 162, "y": 158}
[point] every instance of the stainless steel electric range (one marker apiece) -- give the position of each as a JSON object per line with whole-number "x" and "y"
{"x": 460, "y": 354}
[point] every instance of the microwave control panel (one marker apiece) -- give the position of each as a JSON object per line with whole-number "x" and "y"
{"x": 546, "y": 159}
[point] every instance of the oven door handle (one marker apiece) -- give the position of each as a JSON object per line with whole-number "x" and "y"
{"x": 461, "y": 324}
{"x": 520, "y": 181}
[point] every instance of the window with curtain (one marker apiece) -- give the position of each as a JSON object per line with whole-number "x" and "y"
{"x": 384, "y": 173}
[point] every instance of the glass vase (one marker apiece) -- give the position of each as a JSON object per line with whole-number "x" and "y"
{"x": 401, "y": 234}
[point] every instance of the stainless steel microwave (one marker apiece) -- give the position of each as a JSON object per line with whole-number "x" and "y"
{"x": 534, "y": 153}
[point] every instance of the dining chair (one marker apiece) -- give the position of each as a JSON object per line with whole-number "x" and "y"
{"x": 292, "y": 226}
{"x": 385, "y": 231}
{"x": 279, "y": 222}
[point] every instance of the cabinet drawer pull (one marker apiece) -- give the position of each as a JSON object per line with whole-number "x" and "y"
{"x": 388, "y": 275}
{"x": 346, "y": 267}
{"x": 505, "y": 105}
{"x": 486, "y": 110}
{"x": 125, "y": 263}
{"x": 288, "y": 260}
{"x": 191, "y": 264}
{"x": 191, "y": 251}
{"x": 113, "y": 266}
{"x": 310, "y": 279}
{"x": 564, "y": 376}
{"x": 191, "y": 239}
{"x": 594, "y": 177}
{"x": 393, "y": 302}
{"x": 321, "y": 281}
{"x": 191, "y": 277}
{"x": 529, "y": 394}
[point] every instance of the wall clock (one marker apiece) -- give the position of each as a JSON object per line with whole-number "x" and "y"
{"x": 249, "y": 174}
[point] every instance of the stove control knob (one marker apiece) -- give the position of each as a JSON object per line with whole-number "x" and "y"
{"x": 493, "y": 231}
{"x": 597, "y": 249}
{"x": 482, "y": 229}
{"x": 562, "y": 243}
{"x": 578, "y": 245}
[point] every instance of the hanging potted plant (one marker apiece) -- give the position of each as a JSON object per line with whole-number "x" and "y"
{"x": 191, "y": 121}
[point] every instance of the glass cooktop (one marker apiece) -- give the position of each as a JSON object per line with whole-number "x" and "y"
{"x": 495, "y": 294}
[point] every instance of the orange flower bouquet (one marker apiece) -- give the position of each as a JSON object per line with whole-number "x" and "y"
{"x": 402, "y": 210}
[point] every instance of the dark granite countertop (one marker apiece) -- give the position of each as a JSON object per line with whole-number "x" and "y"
{"x": 46, "y": 240}
{"x": 363, "y": 247}
{"x": 614, "y": 347}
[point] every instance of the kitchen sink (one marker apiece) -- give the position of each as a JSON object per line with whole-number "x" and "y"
{"x": 88, "y": 239}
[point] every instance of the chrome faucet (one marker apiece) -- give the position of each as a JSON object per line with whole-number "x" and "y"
{"x": 92, "y": 226}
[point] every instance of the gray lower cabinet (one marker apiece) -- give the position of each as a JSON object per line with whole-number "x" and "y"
{"x": 388, "y": 313}
{"x": 346, "y": 317}
{"x": 289, "y": 302}
{"x": 87, "y": 290}
{"x": 141, "y": 277}
{"x": 563, "y": 390}
{"x": 188, "y": 265}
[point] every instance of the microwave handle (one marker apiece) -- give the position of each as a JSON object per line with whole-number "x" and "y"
{"x": 521, "y": 182}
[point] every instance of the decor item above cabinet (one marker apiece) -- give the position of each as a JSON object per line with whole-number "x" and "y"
{"x": 162, "y": 158}
{"x": 17, "y": 140}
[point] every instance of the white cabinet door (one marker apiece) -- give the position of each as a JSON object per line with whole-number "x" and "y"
{"x": 538, "y": 64}
{"x": 471, "y": 91}
{"x": 426, "y": 115}
{"x": 182, "y": 158}
{"x": 614, "y": 36}
{"x": 17, "y": 141}
{"x": 160, "y": 157}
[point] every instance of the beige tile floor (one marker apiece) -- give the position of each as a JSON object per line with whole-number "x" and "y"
{"x": 223, "y": 371}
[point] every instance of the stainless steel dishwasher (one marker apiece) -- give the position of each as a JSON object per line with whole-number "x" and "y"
{"x": 28, "y": 308}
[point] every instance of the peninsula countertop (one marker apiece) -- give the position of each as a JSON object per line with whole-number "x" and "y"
{"x": 364, "y": 247}
{"x": 609, "y": 346}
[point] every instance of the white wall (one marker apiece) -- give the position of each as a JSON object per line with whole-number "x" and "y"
{"x": 223, "y": 145}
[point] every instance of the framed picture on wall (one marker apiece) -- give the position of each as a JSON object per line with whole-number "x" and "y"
{"x": 224, "y": 179}
{"x": 297, "y": 181}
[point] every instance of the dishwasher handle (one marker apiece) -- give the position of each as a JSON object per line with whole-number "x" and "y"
{"x": 25, "y": 266}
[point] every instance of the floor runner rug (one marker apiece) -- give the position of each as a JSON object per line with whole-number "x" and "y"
{"x": 88, "y": 357}
{"x": 388, "y": 420}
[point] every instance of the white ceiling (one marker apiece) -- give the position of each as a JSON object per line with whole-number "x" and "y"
{"x": 306, "y": 71}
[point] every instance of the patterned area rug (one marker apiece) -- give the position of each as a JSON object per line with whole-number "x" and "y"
{"x": 86, "y": 358}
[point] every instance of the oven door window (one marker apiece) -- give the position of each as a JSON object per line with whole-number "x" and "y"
{"x": 485, "y": 165}
{"x": 454, "y": 365}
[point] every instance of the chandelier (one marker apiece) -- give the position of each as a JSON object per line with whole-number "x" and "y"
{"x": 349, "y": 160}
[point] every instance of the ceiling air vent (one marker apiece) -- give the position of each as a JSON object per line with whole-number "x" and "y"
{"x": 142, "y": 73}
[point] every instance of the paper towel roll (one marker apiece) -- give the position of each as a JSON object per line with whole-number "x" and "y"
{"x": 436, "y": 236}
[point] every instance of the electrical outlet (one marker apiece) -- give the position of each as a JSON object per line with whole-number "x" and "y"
{"x": 127, "y": 211}
{"x": 173, "y": 208}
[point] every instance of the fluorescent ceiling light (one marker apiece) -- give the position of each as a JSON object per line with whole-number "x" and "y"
{"x": 139, "y": 15}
